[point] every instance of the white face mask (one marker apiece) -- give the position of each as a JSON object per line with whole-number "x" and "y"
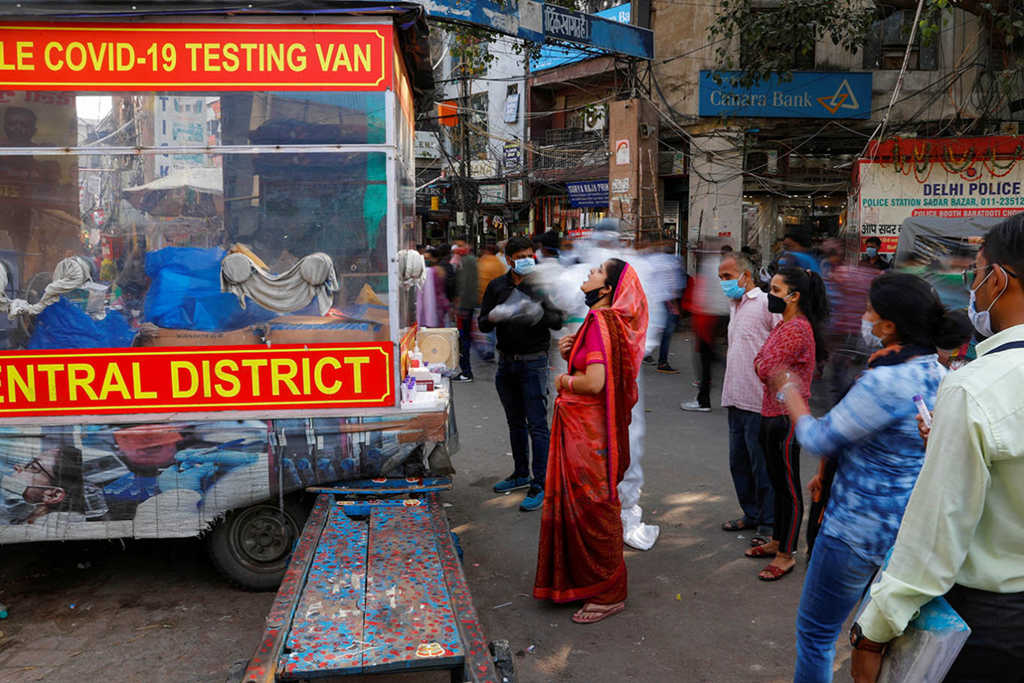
{"x": 866, "y": 333}
{"x": 14, "y": 485}
{"x": 982, "y": 320}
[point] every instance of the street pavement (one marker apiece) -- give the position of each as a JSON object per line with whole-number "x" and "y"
{"x": 696, "y": 609}
{"x": 157, "y": 611}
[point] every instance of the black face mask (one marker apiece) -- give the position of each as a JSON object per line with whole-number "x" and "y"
{"x": 593, "y": 296}
{"x": 776, "y": 304}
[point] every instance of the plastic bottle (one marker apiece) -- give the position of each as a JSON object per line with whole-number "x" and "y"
{"x": 3, "y": 611}
{"x": 923, "y": 411}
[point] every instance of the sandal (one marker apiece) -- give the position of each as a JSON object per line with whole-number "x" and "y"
{"x": 738, "y": 524}
{"x": 759, "y": 540}
{"x": 592, "y": 613}
{"x": 758, "y": 552}
{"x": 773, "y": 572}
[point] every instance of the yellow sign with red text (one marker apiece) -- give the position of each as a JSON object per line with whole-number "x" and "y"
{"x": 195, "y": 57}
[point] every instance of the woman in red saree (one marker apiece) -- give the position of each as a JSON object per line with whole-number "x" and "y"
{"x": 580, "y": 555}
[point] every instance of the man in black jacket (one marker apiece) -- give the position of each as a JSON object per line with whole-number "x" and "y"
{"x": 524, "y": 334}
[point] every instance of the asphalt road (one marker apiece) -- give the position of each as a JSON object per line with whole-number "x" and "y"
{"x": 157, "y": 611}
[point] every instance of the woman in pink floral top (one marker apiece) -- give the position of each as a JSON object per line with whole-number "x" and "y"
{"x": 793, "y": 347}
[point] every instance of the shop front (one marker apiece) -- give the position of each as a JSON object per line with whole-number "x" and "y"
{"x": 200, "y": 291}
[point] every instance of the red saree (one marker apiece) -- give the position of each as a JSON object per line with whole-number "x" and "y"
{"x": 580, "y": 554}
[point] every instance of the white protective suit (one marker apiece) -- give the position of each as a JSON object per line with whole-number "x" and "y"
{"x": 602, "y": 246}
{"x": 70, "y": 274}
{"x": 312, "y": 277}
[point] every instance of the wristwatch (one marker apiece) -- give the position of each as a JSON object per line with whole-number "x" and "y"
{"x": 859, "y": 642}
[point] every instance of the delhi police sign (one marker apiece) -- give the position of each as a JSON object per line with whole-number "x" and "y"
{"x": 809, "y": 95}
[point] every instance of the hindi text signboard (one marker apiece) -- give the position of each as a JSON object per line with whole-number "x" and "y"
{"x": 888, "y": 195}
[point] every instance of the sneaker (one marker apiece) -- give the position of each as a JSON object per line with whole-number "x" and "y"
{"x": 462, "y": 377}
{"x": 667, "y": 369}
{"x": 511, "y": 484}
{"x": 648, "y": 360}
{"x": 534, "y": 499}
{"x": 694, "y": 407}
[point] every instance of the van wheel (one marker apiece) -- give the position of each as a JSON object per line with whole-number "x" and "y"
{"x": 251, "y": 546}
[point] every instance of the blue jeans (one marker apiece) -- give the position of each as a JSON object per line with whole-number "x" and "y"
{"x": 836, "y": 580}
{"x": 749, "y": 471}
{"x": 523, "y": 389}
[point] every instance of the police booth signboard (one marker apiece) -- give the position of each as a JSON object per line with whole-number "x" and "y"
{"x": 198, "y": 287}
{"x": 946, "y": 178}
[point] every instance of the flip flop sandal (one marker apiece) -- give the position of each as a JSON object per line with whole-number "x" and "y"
{"x": 758, "y": 540}
{"x": 773, "y": 573}
{"x": 738, "y": 524}
{"x": 598, "y": 611}
{"x": 758, "y": 552}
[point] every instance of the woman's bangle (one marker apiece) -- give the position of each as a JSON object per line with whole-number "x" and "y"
{"x": 569, "y": 382}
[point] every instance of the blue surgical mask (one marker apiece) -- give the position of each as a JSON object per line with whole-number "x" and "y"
{"x": 732, "y": 289}
{"x": 867, "y": 334}
{"x": 982, "y": 320}
{"x": 872, "y": 252}
{"x": 523, "y": 266}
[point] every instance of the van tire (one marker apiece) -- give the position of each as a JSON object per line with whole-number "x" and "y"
{"x": 251, "y": 546}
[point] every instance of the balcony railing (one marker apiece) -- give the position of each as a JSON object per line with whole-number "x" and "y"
{"x": 567, "y": 148}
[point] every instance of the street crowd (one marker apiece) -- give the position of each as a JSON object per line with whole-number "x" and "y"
{"x": 919, "y": 492}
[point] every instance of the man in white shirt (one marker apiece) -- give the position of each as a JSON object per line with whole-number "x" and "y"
{"x": 749, "y": 326}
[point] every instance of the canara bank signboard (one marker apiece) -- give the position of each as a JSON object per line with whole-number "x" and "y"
{"x": 809, "y": 95}
{"x": 116, "y": 57}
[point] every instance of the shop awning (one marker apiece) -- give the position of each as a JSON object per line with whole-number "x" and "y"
{"x": 208, "y": 180}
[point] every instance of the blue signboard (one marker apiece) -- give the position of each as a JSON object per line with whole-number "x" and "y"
{"x": 809, "y": 95}
{"x": 589, "y": 194}
{"x": 555, "y": 55}
{"x": 538, "y": 22}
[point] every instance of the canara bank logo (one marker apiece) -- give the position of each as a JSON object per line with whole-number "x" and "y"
{"x": 842, "y": 98}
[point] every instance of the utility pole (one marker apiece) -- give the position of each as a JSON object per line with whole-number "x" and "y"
{"x": 466, "y": 204}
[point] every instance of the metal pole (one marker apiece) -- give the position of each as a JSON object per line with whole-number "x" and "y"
{"x": 464, "y": 168}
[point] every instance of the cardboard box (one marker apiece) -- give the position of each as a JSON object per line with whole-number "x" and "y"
{"x": 298, "y": 329}
{"x": 151, "y": 335}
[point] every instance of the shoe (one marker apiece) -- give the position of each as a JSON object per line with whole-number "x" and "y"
{"x": 667, "y": 369}
{"x": 694, "y": 407}
{"x": 462, "y": 377}
{"x": 534, "y": 499}
{"x": 648, "y": 360}
{"x": 511, "y": 484}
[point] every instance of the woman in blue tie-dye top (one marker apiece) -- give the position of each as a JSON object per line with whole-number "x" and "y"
{"x": 872, "y": 433}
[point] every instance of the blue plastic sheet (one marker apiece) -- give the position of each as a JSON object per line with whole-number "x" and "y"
{"x": 62, "y": 325}
{"x": 185, "y": 293}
